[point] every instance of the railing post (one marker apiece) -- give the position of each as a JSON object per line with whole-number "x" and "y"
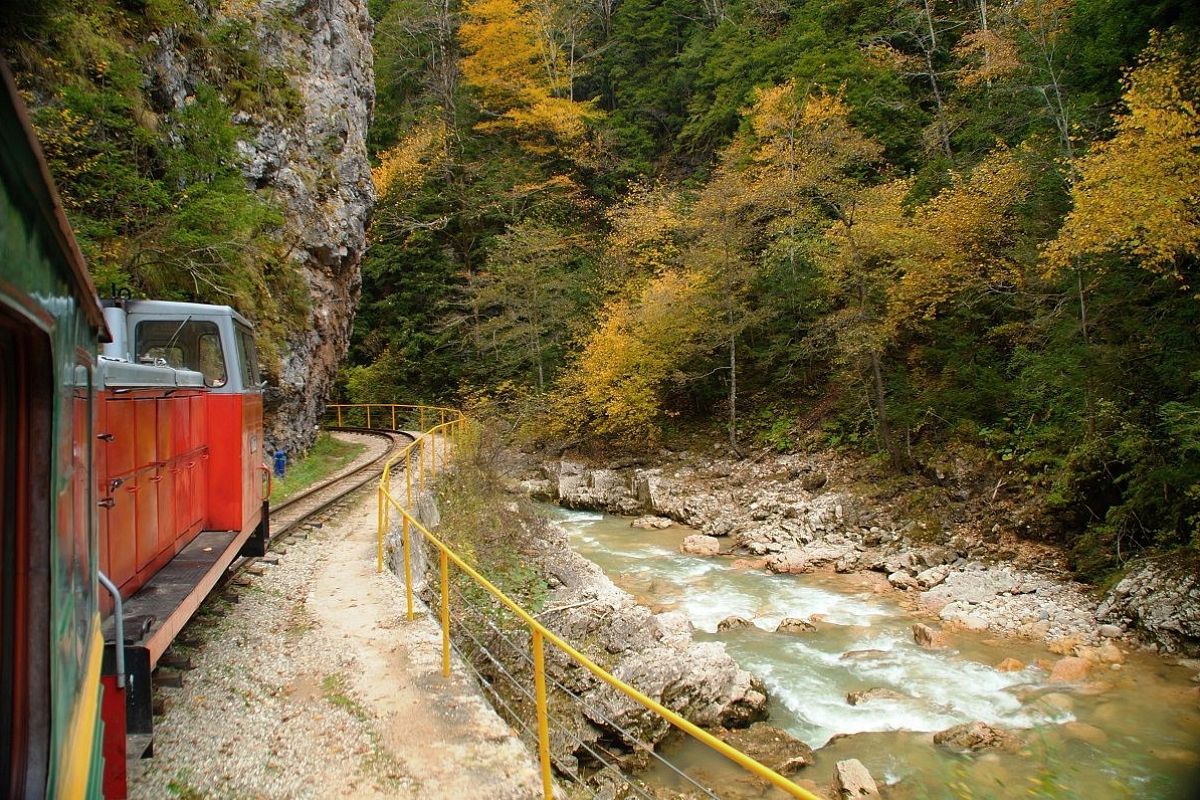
{"x": 408, "y": 587}
{"x": 379, "y": 501}
{"x": 393, "y": 417}
{"x": 444, "y": 564}
{"x": 368, "y": 415}
{"x": 543, "y": 721}
{"x": 339, "y": 412}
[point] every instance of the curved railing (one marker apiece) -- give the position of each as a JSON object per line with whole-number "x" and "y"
{"x": 432, "y": 451}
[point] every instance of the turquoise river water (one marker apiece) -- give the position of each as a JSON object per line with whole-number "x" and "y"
{"x": 1130, "y": 733}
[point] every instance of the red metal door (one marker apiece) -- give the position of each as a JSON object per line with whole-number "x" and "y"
{"x": 145, "y": 419}
{"x": 165, "y": 475}
{"x": 119, "y": 453}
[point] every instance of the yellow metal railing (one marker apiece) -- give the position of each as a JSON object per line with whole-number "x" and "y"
{"x": 449, "y": 430}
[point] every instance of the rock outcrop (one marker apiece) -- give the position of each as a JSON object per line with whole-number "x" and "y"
{"x": 853, "y": 782}
{"x": 312, "y": 159}
{"x": 791, "y": 514}
{"x": 977, "y": 736}
{"x": 1162, "y": 600}
{"x": 771, "y": 746}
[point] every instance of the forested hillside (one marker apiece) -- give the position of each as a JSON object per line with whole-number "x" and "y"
{"x": 906, "y": 226}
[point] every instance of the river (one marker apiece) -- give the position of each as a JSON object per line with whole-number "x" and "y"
{"x": 1132, "y": 732}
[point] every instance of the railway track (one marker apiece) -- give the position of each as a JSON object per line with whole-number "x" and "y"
{"x": 298, "y": 509}
{"x": 291, "y": 514}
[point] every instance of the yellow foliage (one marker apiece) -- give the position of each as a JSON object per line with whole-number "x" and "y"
{"x": 1138, "y": 194}
{"x": 643, "y": 232}
{"x": 408, "y": 163}
{"x": 807, "y": 150}
{"x": 510, "y": 63}
{"x": 615, "y": 388}
{"x": 957, "y": 240}
{"x": 990, "y": 54}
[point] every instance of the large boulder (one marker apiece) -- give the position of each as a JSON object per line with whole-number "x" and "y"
{"x": 700, "y": 545}
{"x": 603, "y": 489}
{"x": 927, "y": 637}
{"x": 794, "y": 625}
{"x": 799, "y": 560}
{"x": 854, "y": 782}
{"x": 1071, "y": 669}
{"x": 770, "y": 746}
{"x": 702, "y": 683}
{"x": 733, "y": 622}
{"x": 1162, "y": 598}
{"x": 977, "y": 736}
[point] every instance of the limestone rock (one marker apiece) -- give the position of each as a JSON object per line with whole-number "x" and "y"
{"x": 702, "y": 683}
{"x": 1163, "y": 600}
{"x": 1010, "y": 665}
{"x": 874, "y": 693}
{"x": 927, "y": 637}
{"x": 794, "y": 625}
{"x": 977, "y": 736}
{"x": 771, "y": 746}
{"x": 1109, "y": 653}
{"x": 853, "y": 781}
{"x": 311, "y": 158}
{"x": 650, "y": 522}
{"x": 1071, "y": 669}
{"x": 700, "y": 545}
{"x": 733, "y": 623}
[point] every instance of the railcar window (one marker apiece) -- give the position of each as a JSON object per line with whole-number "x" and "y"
{"x": 183, "y": 344}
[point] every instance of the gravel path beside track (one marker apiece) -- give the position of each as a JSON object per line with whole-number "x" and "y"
{"x": 314, "y": 685}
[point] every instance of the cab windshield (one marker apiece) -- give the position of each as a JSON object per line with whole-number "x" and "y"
{"x": 183, "y": 344}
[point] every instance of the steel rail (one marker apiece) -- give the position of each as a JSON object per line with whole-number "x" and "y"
{"x": 390, "y": 436}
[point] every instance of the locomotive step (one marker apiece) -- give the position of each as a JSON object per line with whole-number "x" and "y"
{"x": 172, "y": 596}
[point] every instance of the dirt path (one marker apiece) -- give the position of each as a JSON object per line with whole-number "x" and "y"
{"x": 314, "y": 685}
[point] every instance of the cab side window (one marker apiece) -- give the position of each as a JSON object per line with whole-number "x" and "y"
{"x": 248, "y": 359}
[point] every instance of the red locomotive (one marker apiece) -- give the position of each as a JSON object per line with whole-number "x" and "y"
{"x": 180, "y": 484}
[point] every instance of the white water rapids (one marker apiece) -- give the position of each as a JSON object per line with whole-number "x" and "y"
{"x": 864, "y": 641}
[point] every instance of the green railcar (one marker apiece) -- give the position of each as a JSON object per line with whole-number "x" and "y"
{"x": 50, "y": 630}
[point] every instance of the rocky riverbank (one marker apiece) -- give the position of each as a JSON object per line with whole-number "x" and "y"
{"x": 654, "y": 652}
{"x": 802, "y": 513}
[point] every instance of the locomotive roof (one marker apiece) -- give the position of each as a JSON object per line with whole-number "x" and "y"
{"x": 172, "y": 308}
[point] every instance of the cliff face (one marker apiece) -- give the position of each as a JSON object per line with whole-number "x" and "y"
{"x": 312, "y": 158}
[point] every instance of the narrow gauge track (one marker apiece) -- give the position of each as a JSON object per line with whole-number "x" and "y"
{"x": 296, "y": 510}
{"x": 289, "y": 515}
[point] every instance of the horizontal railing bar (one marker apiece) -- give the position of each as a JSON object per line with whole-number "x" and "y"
{"x": 445, "y": 429}
{"x": 743, "y": 760}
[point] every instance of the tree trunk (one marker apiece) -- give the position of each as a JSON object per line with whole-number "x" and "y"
{"x": 884, "y": 425}
{"x": 733, "y": 431}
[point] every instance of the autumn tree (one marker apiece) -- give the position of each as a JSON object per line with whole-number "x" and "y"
{"x": 617, "y": 385}
{"x": 517, "y": 70}
{"x": 723, "y": 221}
{"x": 1138, "y": 193}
